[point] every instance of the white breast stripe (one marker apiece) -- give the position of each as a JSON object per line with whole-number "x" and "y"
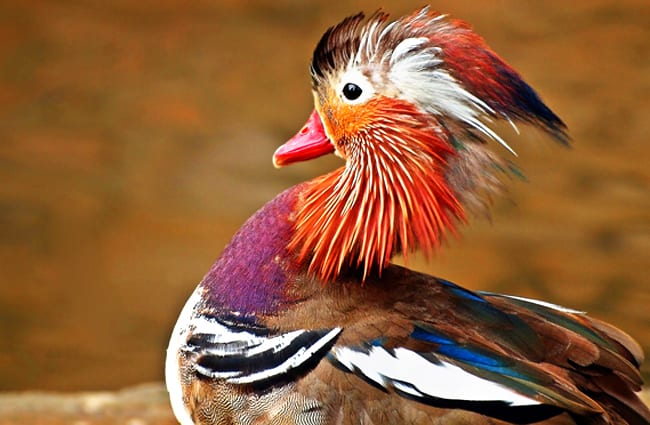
{"x": 296, "y": 360}
{"x": 224, "y": 342}
{"x": 411, "y": 373}
{"x": 177, "y": 340}
{"x": 241, "y": 342}
{"x": 221, "y": 333}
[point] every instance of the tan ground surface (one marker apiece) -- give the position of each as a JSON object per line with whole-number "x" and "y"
{"x": 144, "y": 404}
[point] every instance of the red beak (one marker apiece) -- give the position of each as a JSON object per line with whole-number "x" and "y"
{"x": 310, "y": 142}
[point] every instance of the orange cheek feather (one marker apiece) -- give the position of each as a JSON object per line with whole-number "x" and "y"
{"x": 343, "y": 122}
{"x": 390, "y": 197}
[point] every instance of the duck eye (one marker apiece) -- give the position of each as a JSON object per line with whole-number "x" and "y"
{"x": 351, "y": 91}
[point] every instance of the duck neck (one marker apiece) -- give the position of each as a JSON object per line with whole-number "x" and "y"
{"x": 383, "y": 202}
{"x": 253, "y": 274}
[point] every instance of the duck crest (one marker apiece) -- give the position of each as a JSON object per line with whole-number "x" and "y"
{"x": 439, "y": 64}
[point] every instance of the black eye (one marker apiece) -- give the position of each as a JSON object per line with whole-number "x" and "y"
{"x": 351, "y": 91}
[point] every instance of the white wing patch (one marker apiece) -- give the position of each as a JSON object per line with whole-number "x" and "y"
{"x": 543, "y": 304}
{"x": 410, "y": 373}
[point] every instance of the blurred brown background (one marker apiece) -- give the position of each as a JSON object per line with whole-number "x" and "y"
{"x": 135, "y": 137}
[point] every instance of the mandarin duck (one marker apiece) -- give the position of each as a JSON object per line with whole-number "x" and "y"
{"x": 304, "y": 320}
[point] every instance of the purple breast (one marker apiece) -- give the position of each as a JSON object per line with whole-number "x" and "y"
{"x": 251, "y": 275}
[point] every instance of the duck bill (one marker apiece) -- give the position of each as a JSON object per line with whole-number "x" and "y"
{"x": 310, "y": 142}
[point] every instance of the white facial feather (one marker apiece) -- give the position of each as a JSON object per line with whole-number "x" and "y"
{"x": 420, "y": 79}
{"x": 404, "y": 48}
{"x": 415, "y": 72}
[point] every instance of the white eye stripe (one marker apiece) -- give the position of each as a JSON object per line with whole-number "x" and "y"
{"x": 354, "y": 77}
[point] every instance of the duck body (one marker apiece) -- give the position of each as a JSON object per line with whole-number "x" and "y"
{"x": 401, "y": 348}
{"x": 304, "y": 320}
